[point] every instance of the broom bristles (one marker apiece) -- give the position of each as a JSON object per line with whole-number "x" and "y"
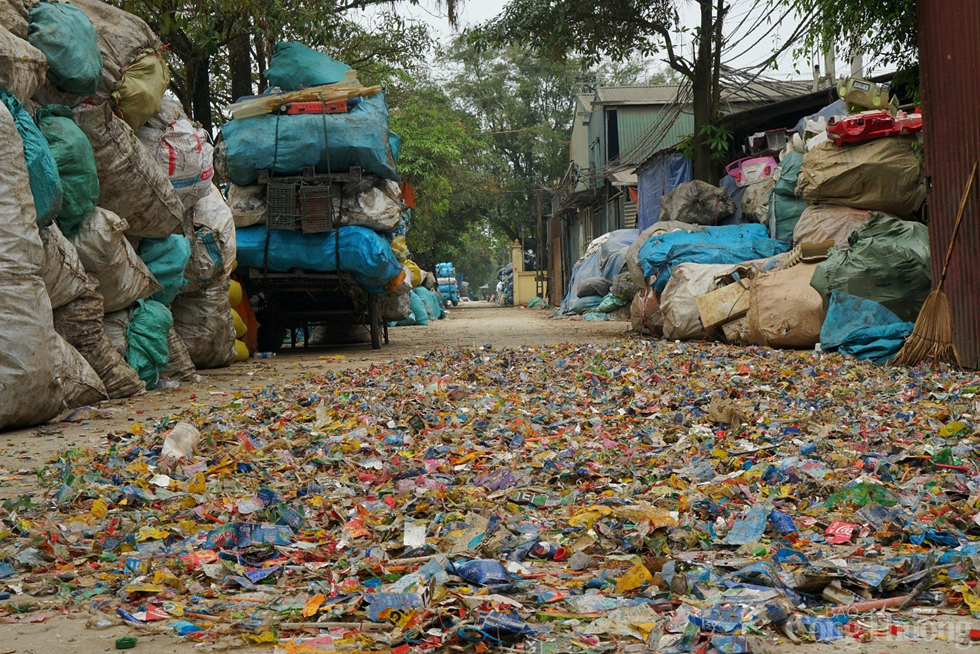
{"x": 932, "y": 337}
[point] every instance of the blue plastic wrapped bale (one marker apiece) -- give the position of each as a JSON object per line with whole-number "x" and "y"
{"x": 295, "y": 66}
{"x": 717, "y": 253}
{"x": 606, "y": 261}
{"x": 147, "y": 351}
{"x": 722, "y": 244}
{"x": 785, "y": 208}
{"x": 862, "y": 328}
{"x": 445, "y": 269}
{"x": 67, "y": 38}
{"x": 166, "y": 259}
{"x": 285, "y": 145}
{"x": 41, "y": 166}
{"x": 363, "y": 252}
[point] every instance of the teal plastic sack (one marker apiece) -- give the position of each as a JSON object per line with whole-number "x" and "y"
{"x": 295, "y": 66}
{"x": 862, "y": 328}
{"x": 609, "y": 304}
{"x": 285, "y": 145}
{"x": 67, "y": 38}
{"x": 785, "y": 208}
{"x": 41, "y": 166}
{"x": 887, "y": 262}
{"x": 586, "y": 304}
{"x": 433, "y": 302}
{"x": 73, "y": 155}
{"x": 420, "y": 315}
{"x": 147, "y": 352}
{"x": 363, "y": 252}
{"x": 166, "y": 258}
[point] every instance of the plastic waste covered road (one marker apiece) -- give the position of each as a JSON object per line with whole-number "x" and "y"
{"x": 631, "y": 497}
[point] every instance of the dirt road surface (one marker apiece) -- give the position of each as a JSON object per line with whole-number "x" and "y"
{"x": 474, "y": 324}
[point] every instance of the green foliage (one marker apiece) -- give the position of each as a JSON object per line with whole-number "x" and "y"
{"x": 716, "y": 138}
{"x": 885, "y": 30}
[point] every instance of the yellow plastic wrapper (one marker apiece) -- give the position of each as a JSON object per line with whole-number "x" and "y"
{"x": 416, "y": 273}
{"x": 241, "y": 351}
{"x": 234, "y": 294}
{"x": 240, "y": 328}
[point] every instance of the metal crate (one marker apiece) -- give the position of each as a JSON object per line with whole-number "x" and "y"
{"x": 295, "y": 205}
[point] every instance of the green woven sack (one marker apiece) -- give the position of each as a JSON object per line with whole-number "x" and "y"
{"x": 76, "y": 166}
{"x": 147, "y": 352}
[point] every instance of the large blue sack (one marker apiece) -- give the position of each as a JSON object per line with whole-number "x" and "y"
{"x": 295, "y": 66}
{"x": 607, "y": 261}
{"x": 735, "y": 252}
{"x": 67, "y": 38}
{"x": 862, "y": 328}
{"x": 285, "y": 145}
{"x": 363, "y": 252}
{"x": 655, "y": 254}
{"x": 433, "y": 302}
{"x": 166, "y": 258}
{"x": 41, "y": 166}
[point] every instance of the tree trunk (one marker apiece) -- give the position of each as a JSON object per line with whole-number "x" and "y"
{"x": 240, "y": 65}
{"x": 261, "y": 60}
{"x": 199, "y": 85}
{"x": 701, "y": 86}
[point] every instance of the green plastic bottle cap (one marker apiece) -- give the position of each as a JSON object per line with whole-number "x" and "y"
{"x": 127, "y": 642}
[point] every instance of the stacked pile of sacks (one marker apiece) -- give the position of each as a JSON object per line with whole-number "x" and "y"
{"x": 422, "y": 305}
{"x": 95, "y": 212}
{"x": 855, "y": 271}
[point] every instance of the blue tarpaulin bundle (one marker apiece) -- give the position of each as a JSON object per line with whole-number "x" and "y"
{"x": 363, "y": 252}
{"x": 862, "y": 328}
{"x": 606, "y": 261}
{"x": 285, "y": 145}
{"x": 724, "y": 244}
{"x": 295, "y": 66}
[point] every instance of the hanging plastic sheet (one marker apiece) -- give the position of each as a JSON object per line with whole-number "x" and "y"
{"x": 661, "y": 176}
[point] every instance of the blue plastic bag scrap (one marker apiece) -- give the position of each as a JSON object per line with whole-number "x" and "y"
{"x": 482, "y": 572}
{"x": 748, "y": 529}
{"x": 725, "y": 619}
{"x": 379, "y": 603}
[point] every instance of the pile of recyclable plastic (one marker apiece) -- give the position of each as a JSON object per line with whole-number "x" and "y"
{"x": 633, "y": 497}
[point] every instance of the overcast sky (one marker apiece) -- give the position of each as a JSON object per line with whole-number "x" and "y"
{"x": 478, "y": 11}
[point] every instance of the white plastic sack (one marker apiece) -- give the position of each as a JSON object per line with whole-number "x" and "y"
{"x": 131, "y": 184}
{"x": 755, "y": 200}
{"x": 79, "y": 382}
{"x": 447, "y": 281}
{"x": 786, "y": 311}
{"x": 182, "y": 150}
{"x": 210, "y": 228}
{"x": 687, "y": 282}
{"x": 179, "y": 365}
{"x": 13, "y": 16}
{"x": 30, "y": 383}
{"x": 248, "y": 205}
{"x": 80, "y": 323}
{"x": 828, "y": 222}
{"x": 64, "y": 275}
{"x": 104, "y": 251}
{"x": 22, "y": 66}
{"x": 115, "y": 325}
{"x": 397, "y": 307}
{"x": 374, "y": 203}
{"x": 205, "y": 325}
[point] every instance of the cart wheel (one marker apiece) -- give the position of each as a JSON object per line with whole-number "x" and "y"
{"x": 377, "y": 326}
{"x": 270, "y": 336}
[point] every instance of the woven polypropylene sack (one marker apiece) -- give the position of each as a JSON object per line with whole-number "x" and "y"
{"x": 179, "y": 364}
{"x": 785, "y": 311}
{"x": 67, "y": 38}
{"x": 828, "y": 222}
{"x": 104, "y": 251}
{"x": 79, "y": 382}
{"x": 166, "y": 259}
{"x": 204, "y": 323}
{"x": 210, "y": 228}
{"x": 29, "y": 368}
{"x": 80, "y": 323}
{"x": 22, "y": 66}
{"x": 132, "y": 184}
{"x": 76, "y": 165}
{"x": 13, "y": 16}
{"x": 121, "y": 36}
{"x": 138, "y": 94}
{"x": 248, "y": 204}
{"x": 182, "y": 150}
{"x": 41, "y": 167}
{"x": 146, "y": 338}
{"x": 64, "y": 275}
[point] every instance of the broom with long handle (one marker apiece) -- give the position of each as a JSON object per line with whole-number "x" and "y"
{"x": 932, "y": 337}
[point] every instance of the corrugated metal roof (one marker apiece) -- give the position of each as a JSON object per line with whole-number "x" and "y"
{"x": 661, "y": 94}
{"x": 949, "y": 68}
{"x": 756, "y": 92}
